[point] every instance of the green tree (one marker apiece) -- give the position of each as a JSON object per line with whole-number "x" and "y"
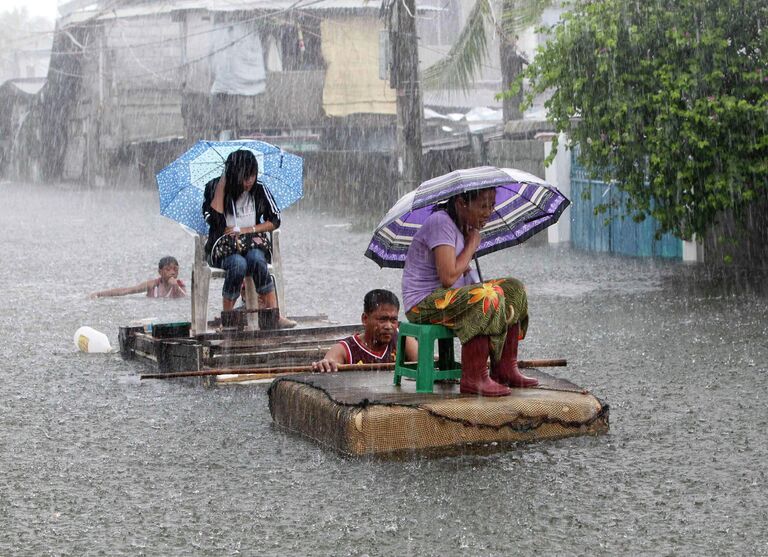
{"x": 668, "y": 98}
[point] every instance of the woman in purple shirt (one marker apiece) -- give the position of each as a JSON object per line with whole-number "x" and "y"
{"x": 439, "y": 287}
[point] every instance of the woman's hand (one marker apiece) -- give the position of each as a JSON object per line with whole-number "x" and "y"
{"x": 232, "y": 231}
{"x": 247, "y": 230}
{"x": 471, "y": 239}
{"x": 451, "y": 266}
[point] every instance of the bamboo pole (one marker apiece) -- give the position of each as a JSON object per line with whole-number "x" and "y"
{"x": 272, "y": 372}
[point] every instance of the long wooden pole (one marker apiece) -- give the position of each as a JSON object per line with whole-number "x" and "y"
{"x": 271, "y": 372}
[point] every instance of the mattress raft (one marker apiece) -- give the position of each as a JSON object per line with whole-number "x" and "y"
{"x": 363, "y": 413}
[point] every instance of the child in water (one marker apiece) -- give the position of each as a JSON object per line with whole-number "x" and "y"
{"x": 167, "y": 285}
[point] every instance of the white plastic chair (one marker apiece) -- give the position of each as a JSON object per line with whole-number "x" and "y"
{"x": 201, "y": 280}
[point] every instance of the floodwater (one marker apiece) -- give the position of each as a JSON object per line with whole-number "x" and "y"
{"x": 95, "y": 462}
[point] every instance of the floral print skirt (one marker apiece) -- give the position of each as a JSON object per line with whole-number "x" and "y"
{"x": 487, "y": 309}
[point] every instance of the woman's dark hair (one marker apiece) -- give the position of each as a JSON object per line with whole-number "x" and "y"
{"x": 167, "y": 260}
{"x": 241, "y": 164}
{"x": 450, "y": 205}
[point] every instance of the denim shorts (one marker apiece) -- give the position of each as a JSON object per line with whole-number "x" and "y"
{"x": 253, "y": 264}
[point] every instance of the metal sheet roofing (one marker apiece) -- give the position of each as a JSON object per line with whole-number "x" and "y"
{"x": 86, "y": 11}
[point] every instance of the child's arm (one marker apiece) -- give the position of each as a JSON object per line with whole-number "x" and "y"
{"x": 141, "y": 287}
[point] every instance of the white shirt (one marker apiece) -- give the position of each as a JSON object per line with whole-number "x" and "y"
{"x": 244, "y": 212}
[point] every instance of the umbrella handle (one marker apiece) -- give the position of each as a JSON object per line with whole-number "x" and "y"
{"x": 477, "y": 264}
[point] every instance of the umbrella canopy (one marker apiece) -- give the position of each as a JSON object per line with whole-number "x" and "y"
{"x": 524, "y": 205}
{"x": 181, "y": 184}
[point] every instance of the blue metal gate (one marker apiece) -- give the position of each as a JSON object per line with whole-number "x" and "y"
{"x": 623, "y": 236}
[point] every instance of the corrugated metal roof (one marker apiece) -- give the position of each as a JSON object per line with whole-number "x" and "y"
{"x": 163, "y": 7}
{"x": 28, "y": 85}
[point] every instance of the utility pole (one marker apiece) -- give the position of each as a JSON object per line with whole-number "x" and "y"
{"x": 404, "y": 78}
{"x": 511, "y": 67}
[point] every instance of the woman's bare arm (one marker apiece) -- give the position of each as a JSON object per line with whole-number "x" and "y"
{"x": 451, "y": 266}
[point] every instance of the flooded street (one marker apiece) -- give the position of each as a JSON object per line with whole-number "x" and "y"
{"x": 94, "y": 461}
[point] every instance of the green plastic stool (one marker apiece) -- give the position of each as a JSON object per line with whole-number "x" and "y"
{"x": 424, "y": 371}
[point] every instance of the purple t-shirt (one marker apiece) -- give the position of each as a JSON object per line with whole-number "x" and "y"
{"x": 420, "y": 276}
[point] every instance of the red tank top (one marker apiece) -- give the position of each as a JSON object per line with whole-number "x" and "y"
{"x": 357, "y": 353}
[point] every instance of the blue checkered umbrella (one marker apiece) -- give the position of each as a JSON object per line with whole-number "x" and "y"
{"x": 181, "y": 184}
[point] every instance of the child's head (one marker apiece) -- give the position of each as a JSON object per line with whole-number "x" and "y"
{"x": 168, "y": 267}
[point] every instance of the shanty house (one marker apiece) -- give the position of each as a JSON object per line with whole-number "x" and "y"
{"x": 131, "y": 84}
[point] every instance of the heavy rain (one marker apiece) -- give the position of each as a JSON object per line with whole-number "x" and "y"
{"x": 671, "y": 334}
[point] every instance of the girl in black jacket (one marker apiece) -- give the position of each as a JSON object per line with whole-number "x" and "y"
{"x": 236, "y": 204}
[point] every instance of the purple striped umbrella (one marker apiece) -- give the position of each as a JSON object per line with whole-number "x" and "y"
{"x": 524, "y": 206}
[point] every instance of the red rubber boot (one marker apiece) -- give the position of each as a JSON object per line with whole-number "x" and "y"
{"x": 506, "y": 371}
{"x": 474, "y": 370}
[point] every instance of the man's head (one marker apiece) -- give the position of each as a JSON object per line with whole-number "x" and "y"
{"x": 380, "y": 311}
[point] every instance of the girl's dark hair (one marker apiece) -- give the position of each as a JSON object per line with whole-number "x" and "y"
{"x": 167, "y": 260}
{"x": 450, "y": 205}
{"x": 241, "y": 164}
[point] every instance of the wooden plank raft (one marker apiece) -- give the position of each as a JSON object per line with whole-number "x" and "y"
{"x": 234, "y": 348}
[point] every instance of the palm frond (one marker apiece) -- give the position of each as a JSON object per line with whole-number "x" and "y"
{"x": 462, "y": 63}
{"x": 518, "y": 15}
{"x": 459, "y": 67}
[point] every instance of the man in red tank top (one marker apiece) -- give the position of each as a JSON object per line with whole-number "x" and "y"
{"x": 378, "y": 343}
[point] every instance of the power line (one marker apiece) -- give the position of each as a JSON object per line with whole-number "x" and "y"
{"x": 297, "y": 6}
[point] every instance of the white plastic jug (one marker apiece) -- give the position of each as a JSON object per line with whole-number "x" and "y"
{"x": 91, "y": 341}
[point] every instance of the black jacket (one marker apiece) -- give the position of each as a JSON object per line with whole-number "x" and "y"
{"x": 266, "y": 209}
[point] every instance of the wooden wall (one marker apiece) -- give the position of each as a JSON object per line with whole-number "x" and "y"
{"x": 622, "y": 236}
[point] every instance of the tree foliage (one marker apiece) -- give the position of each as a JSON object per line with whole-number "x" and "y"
{"x": 668, "y": 98}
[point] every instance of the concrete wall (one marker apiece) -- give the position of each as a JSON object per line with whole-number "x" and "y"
{"x": 529, "y": 155}
{"x": 349, "y": 181}
{"x": 365, "y": 182}
{"x": 523, "y": 154}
